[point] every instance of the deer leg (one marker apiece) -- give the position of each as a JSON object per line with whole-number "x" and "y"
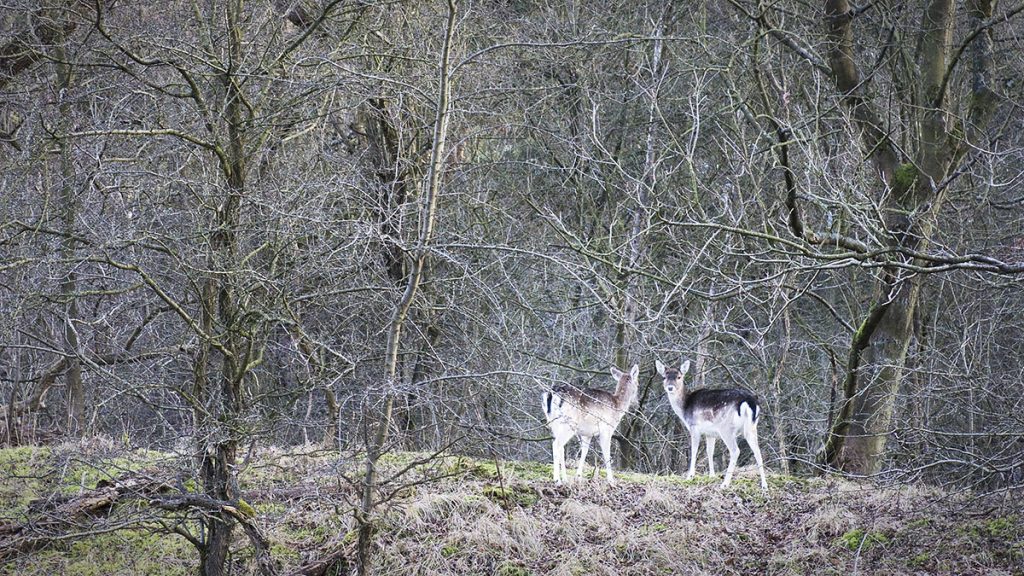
{"x": 558, "y": 457}
{"x": 606, "y": 449}
{"x": 709, "y": 440}
{"x": 584, "y": 447}
{"x": 694, "y": 445}
{"x": 750, "y": 434}
{"x": 734, "y": 454}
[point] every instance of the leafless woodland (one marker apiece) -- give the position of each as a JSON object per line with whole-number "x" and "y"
{"x": 382, "y": 226}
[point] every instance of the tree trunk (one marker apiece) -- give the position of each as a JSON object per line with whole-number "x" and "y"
{"x": 915, "y": 194}
{"x": 377, "y": 435}
{"x": 639, "y": 223}
{"x": 217, "y": 469}
{"x": 330, "y": 439}
{"x": 880, "y": 368}
{"x": 777, "y": 371}
{"x": 69, "y": 285}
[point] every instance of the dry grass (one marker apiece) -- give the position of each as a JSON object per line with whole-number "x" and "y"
{"x": 475, "y": 520}
{"x": 661, "y": 525}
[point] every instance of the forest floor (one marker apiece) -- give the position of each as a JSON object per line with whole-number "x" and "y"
{"x": 459, "y": 515}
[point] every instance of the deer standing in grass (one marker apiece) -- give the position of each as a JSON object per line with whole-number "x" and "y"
{"x": 587, "y": 413}
{"x": 723, "y": 413}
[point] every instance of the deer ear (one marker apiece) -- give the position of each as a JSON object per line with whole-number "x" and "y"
{"x": 684, "y": 368}
{"x": 634, "y": 373}
{"x": 660, "y": 367}
{"x": 617, "y": 374}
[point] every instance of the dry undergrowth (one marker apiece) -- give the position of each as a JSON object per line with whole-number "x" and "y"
{"x": 473, "y": 517}
{"x": 659, "y": 525}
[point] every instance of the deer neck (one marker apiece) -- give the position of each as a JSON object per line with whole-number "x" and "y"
{"x": 625, "y": 393}
{"x": 678, "y": 399}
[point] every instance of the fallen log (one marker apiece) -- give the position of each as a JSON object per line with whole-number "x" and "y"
{"x": 54, "y": 517}
{"x": 67, "y": 518}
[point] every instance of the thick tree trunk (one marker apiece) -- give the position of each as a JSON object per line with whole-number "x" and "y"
{"x": 914, "y": 195}
{"x": 224, "y": 399}
{"x": 868, "y": 418}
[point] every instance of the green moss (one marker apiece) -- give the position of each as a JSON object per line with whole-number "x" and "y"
{"x": 704, "y": 480}
{"x": 120, "y": 553}
{"x": 480, "y": 470}
{"x": 859, "y": 539}
{"x": 402, "y": 459}
{"x": 1003, "y": 527}
{"x": 23, "y": 469}
{"x": 749, "y": 489}
{"x": 449, "y": 550}
{"x": 970, "y": 531}
{"x": 85, "y": 473}
{"x": 790, "y": 481}
{"x": 246, "y": 509}
{"x": 921, "y": 560}
{"x": 919, "y": 523}
{"x": 904, "y": 178}
{"x": 270, "y": 508}
{"x": 653, "y": 528}
{"x": 21, "y": 459}
{"x": 511, "y": 569}
{"x": 528, "y": 470}
{"x": 489, "y": 470}
{"x": 284, "y": 554}
{"x": 851, "y": 539}
{"x": 508, "y": 496}
{"x": 350, "y": 537}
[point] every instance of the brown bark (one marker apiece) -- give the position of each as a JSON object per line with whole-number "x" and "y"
{"x": 333, "y": 563}
{"x": 47, "y": 26}
{"x": 839, "y": 18}
{"x": 878, "y": 351}
{"x": 69, "y": 285}
{"x": 385, "y": 147}
{"x": 220, "y": 302}
{"x": 331, "y": 439}
{"x": 872, "y": 404}
{"x": 428, "y": 213}
{"x": 55, "y": 517}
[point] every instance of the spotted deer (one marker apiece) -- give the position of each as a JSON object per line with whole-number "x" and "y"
{"x": 587, "y": 413}
{"x": 723, "y": 413}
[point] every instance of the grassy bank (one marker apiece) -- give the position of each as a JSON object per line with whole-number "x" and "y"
{"x": 457, "y": 515}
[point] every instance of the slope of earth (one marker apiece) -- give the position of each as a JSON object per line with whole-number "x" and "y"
{"x": 458, "y": 515}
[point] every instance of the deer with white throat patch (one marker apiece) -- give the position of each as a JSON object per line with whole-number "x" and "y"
{"x": 724, "y": 414}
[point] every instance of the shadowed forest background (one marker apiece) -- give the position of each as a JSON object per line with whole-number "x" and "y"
{"x": 381, "y": 227}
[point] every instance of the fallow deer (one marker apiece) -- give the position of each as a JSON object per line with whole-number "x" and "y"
{"x": 587, "y": 413}
{"x": 723, "y": 413}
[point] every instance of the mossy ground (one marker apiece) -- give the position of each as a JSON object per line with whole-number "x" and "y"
{"x": 33, "y": 472}
{"x": 22, "y": 481}
{"x": 459, "y": 515}
{"x": 121, "y": 552}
